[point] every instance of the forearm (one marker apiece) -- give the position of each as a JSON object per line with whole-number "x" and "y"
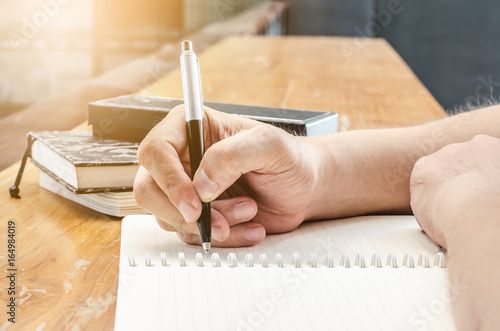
{"x": 369, "y": 171}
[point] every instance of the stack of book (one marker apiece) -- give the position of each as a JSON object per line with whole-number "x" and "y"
{"x": 97, "y": 173}
{"x": 97, "y": 169}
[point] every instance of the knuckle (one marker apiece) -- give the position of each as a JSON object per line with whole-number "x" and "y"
{"x": 164, "y": 225}
{"x": 155, "y": 140}
{"x": 141, "y": 188}
{"x": 179, "y": 223}
{"x": 420, "y": 164}
{"x": 168, "y": 181}
{"x": 177, "y": 111}
{"x": 483, "y": 140}
{"x": 419, "y": 173}
{"x": 223, "y": 156}
{"x": 420, "y": 168}
{"x": 188, "y": 238}
{"x": 481, "y": 137}
{"x": 146, "y": 149}
{"x": 268, "y": 140}
{"x": 142, "y": 151}
{"x": 268, "y": 135}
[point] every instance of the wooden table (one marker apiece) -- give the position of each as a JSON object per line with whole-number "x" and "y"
{"x": 67, "y": 256}
{"x": 371, "y": 87}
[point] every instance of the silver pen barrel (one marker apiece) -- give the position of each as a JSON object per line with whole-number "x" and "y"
{"x": 191, "y": 83}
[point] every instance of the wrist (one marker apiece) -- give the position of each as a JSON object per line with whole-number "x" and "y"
{"x": 363, "y": 172}
{"x": 322, "y": 162}
{"x": 338, "y": 189}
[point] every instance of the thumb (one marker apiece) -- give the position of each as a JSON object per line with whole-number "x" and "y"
{"x": 225, "y": 161}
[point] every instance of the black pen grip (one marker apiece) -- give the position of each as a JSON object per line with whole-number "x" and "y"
{"x": 196, "y": 144}
{"x": 196, "y": 149}
{"x": 205, "y": 223}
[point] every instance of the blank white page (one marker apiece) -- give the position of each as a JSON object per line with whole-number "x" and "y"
{"x": 367, "y": 234}
{"x": 256, "y": 298}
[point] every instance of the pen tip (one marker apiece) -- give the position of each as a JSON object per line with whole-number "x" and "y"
{"x": 206, "y": 248}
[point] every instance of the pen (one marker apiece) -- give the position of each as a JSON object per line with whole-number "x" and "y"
{"x": 193, "y": 103}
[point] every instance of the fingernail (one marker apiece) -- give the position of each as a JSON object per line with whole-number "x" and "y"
{"x": 255, "y": 233}
{"x": 204, "y": 186}
{"x": 188, "y": 211}
{"x": 217, "y": 233}
{"x": 244, "y": 210}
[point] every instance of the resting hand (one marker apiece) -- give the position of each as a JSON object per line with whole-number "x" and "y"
{"x": 259, "y": 178}
{"x": 458, "y": 180}
{"x": 454, "y": 196}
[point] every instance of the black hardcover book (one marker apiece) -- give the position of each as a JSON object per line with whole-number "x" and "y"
{"x": 131, "y": 117}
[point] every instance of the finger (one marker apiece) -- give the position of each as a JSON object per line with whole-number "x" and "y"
{"x": 165, "y": 226}
{"x": 149, "y": 196}
{"x": 225, "y": 161}
{"x": 236, "y": 210}
{"x": 245, "y": 234}
{"x": 225, "y": 213}
{"x": 159, "y": 154}
{"x": 172, "y": 128}
{"x": 220, "y": 229}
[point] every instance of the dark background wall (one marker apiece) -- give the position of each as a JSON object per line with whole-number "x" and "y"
{"x": 453, "y": 46}
{"x": 327, "y": 17}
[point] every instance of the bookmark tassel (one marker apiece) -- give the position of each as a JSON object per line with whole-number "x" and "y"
{"x": 14, "y": 189}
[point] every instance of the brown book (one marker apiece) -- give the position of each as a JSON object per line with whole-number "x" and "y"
{"x": 85, "y": 163}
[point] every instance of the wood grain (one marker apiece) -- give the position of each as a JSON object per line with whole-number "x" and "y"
{"x": 67, "y": 255}
{"x": 66, "y": 259}
{"x": 373, "y": 88}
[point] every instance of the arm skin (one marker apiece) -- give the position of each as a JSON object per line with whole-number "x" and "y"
{"x": 455, "y": 195}
{"x": 267, "y": 181}
{"x": 368, "y": 171}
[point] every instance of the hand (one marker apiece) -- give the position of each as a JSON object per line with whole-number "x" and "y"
{"x": 262, "y": 177}
{"x": 460, "y": 179}
{"x": 454, "y": 195}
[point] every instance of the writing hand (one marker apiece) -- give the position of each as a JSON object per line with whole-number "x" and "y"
{"x": 259, "y": 178}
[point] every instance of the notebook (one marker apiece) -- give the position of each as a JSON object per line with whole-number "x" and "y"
{"x": 362, "y": 273}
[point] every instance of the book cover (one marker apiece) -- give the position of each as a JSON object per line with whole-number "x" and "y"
{"x": 83, "y": 149}
{"x": 131, "y": 117}
{"x": 85, "y": 163}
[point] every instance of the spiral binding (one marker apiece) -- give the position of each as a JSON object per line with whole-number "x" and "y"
{"x": 278, "y": 260}
{"x": 198, "y": 260}
{"x": 215, "y": 260}
{"x": 248, "y": 260}
{"x": 360, "y": 261}
{"x": 312, "y": 261}
{"x": 263, "y": 260}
